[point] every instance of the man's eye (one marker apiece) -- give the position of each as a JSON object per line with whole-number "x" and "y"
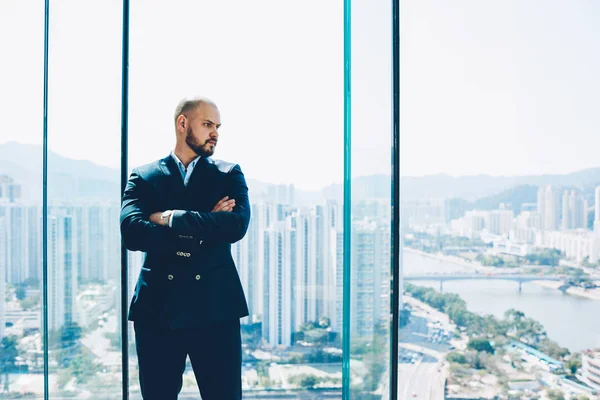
{"x": 207, "y": 124}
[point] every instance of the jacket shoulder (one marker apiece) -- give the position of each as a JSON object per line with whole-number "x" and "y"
{"x": 223, "y": 166}
{"x": 147, "y": 171}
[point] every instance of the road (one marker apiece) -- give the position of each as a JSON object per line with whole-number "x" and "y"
{"x": 421, "y": 381}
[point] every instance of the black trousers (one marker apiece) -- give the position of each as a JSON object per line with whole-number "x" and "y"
{"x": 215, "y": 353}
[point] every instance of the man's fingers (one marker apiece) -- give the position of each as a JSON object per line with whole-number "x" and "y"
{"x": 220, "y": 202}
{"x": 224, "y": 206}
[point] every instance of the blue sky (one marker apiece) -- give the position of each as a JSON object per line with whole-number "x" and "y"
{"x": 495, "y": 87}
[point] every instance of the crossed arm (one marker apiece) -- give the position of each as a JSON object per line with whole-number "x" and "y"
{"x": 145, "y": 231}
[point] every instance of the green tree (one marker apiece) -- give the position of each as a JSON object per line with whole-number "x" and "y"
{"x": 324, "y": 322}
{"x": 69, "y": 345}
{"x": 555, "y": 394}
{"x": 8, "y": 357}
{"x": 480, "y": 344}
{"x": 552, "y": 348}
{"x": 309, "y": 381}
{"x": 574, "y": 363}
{"x": 30, "y": 303}
{"x": 83, "y": 366}
{"x": 21, "y": 291}
{"x": 457, "y": 357}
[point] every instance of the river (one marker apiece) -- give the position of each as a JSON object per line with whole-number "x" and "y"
{"x": 571, "y": 321}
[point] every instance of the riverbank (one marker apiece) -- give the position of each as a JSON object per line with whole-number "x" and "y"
{"x": 471, "y": 266}
{"x": 474, "y": 266}
{"x": 592, "y": 294}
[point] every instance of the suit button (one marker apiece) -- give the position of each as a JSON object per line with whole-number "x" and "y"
{"x": 200, "y": 242}
{"x": 170, "y": 277}
{"x": 198, "y": 277}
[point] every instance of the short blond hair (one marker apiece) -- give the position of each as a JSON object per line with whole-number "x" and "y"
{"x": 190, "y": 104}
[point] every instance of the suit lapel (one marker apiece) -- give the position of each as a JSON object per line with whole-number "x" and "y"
{"x": 172, "y": 175}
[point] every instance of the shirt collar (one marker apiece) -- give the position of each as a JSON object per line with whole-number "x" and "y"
{"x": 180, "y": 164}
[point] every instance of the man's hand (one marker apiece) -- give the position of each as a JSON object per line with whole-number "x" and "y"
{"x": 158, "y": 219}
{"x": 224, "y": 205}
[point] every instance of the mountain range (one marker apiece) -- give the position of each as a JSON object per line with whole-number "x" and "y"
{"x": 84, "y": 180}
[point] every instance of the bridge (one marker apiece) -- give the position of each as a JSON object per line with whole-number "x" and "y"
{"x": 466, "y": 277}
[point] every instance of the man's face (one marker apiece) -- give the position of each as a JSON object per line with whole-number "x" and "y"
{"x": 202, "y": 130}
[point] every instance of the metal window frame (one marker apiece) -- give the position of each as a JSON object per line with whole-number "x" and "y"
{"x": 45, "y": 203}
{"x": 396, "y": 249}
{"x": 124, "y": 175}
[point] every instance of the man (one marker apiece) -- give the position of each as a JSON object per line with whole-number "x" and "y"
{"x": 184, "y": 211}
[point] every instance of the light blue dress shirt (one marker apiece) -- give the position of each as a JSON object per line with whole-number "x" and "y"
{"x": 186, "y": 174}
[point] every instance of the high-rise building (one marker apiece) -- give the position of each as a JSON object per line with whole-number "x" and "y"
{"x": 325, "y": 235}
{"x": 500, "y": 222}
{"x": 100, "y": 227}
{"x": 337, "y": 320}
{"x": 363, "y": 261}
{"x": 248, "y": 255}
{"x": 549, "y": 207}
{"x": 2, "y": 275}
{"x": 590, "y": 368}
{"x": 62, "y": 271}
{"x": 34, "y": 242}
{"x": 597, "y": 212}
{"x": 135, "y": 260}
{"x": 10, "y": 192}
{"x": 16, "y": 239}
{"x": 597, "y": 208}
{"x": 574, "y": 211}
{"x": 280, "y": 264}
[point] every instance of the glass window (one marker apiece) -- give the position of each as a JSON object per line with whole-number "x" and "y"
{"x": 83, "y": 199}
{"x": 21, "y": 99}
{"x": 499, "y": 161}
{"x": 370, "y": 208}
{"x": 278, "y": 83}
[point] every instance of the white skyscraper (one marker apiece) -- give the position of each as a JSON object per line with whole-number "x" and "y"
{"x": 326, "y": 253}
{"x": 135, "y": 260}
{"x": 34, "y": 242}
{"x": 362, "y": 290}
{"x": 248, "y": 255}
{"x": 500, "y": 222}
{"x": 16, "y": 239}
{"x": 62, "y": 271}
{"x": 280, "y": 264}
{"x": 597, "y": 208}
{"x": 2, "y": 275}
{"x": 337, "y": 321}
{"x": 597, "y": 212}
{"x": 548, "y": 207}
{"x": 574, "y": 211}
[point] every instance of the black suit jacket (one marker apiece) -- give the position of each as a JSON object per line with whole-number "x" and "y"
{"x": 188, "y": 278}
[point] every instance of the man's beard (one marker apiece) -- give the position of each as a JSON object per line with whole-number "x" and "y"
{"x": 204, "y": 150}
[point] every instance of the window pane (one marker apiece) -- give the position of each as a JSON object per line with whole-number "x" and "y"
{"x": 278, "y": 82}
{"x": 499, "y": 128}
{"x": 21, "y": 98}
{"x": 83, "y": 199}
{"x": 370, "y": 288}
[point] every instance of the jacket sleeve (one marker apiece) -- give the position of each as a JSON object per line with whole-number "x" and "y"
{"x": 137, "y": 232}
{"x": 229, "y": 226}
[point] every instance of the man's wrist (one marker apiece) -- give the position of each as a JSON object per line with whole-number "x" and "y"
{"x": 166, "y": 218}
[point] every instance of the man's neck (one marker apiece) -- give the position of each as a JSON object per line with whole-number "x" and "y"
{"x": 186, "y": 156}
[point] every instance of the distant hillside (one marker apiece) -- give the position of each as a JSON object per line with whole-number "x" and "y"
{"x": 83, "y": 179}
